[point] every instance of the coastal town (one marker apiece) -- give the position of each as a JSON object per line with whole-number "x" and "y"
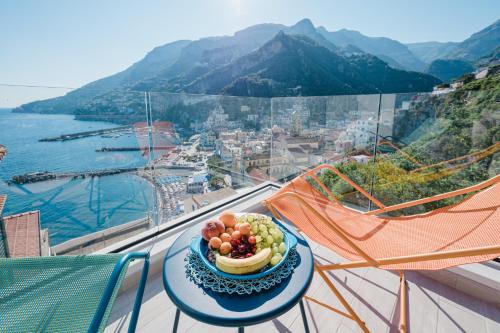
{"x": 225, "y": 155}
{"x": 238, "y": 145}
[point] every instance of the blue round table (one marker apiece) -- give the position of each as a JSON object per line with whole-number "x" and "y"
{"x": 233, "y": 310}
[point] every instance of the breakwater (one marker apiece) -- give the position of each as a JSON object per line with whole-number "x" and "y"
{"x": 79, "y": 135}
{"x": 44, "y": 176}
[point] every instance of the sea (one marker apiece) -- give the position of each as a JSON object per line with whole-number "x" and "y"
{"x": 71, "y": 208}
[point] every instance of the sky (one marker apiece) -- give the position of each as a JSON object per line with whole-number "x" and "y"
{"x": 71, "y": 43}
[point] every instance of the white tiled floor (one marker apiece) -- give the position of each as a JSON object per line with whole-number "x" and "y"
{"x": 374, "y": 294}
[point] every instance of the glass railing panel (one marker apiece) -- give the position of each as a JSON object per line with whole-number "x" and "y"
{"x": 338, "y": 130}
{"x": 81, "y": 162}
{"x": 439, "y": 143}
{"x": 207, "y": 148}
{"x": 104, "y": 166}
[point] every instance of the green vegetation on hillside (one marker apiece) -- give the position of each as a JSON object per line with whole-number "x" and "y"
{"x": 470, "y": 118}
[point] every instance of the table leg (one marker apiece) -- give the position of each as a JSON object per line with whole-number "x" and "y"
{"x": 304, "y": 317}
{"x": 176, "y": 321}
{"x": 241, "y": 330}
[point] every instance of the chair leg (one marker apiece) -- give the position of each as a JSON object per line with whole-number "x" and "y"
{"x": 138, "y": 297}
{"x": 342, "y": 300}
{"x": 402, "y": 304}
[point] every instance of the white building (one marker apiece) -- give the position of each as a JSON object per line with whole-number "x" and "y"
{"x": 198, "y": 183}
{"x": 359, "y": 134}
{"x": 207, "y": 140}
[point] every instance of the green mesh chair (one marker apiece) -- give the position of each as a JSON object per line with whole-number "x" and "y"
{"x": 64, "y": 293}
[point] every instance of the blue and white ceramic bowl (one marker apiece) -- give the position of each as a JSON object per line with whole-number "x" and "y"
{"x": 200, "y": 247}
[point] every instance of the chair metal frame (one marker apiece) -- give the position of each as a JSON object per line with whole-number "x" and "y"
{"x": 368, "y": 260}
{"x": 110, "y": 288}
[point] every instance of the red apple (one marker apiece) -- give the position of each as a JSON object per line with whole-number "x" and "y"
{"x": 220, "y": 226}
{"x": 211, "y": 229}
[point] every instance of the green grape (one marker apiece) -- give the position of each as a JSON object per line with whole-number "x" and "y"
{"x": 258, "y": 238}
{"x": 262, "y": 228}
{"x": 264, "y": 234}
{"x": 275, "y": 260}
{"x": 249, "y": 218}
{"x": 280, "y": 234}
{"x": 270, "y": 239}
{"x": 255, "y": 229}
{"x": 275, "y": 249}
{"x": 282, "y": 248}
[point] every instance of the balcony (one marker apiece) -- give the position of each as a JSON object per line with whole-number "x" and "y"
{"x": 135, "y": 170}
{"x": 456, "y": 304}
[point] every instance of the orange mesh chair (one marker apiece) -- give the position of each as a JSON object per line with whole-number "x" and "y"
{"x": 464, "y": 233}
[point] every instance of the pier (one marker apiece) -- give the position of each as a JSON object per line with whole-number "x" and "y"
{"x": 79, "y": 135}
{"x": 111, "y": 149}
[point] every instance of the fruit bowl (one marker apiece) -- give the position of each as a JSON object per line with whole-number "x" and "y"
{"x": 200, "y": 247}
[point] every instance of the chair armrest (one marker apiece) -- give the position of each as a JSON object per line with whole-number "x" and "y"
{"x": 110, "y": 289}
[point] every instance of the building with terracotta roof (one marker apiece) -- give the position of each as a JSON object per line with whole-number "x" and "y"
{"x": 23, "y": 234}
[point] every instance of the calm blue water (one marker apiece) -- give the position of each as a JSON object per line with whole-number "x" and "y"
{"x": 70, "y": 208}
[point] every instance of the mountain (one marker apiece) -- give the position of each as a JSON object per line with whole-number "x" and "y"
{"x": 306, "y": 28}
{"x": 389, "y": 50}
{"x": 188, "y": 66}
{"x": 489, "y": 60}
{"x": 204, "y": 55}
{"x": 430, "y": 51}
{"x": 473, "y": 48}
{"x": 201, "y": 56}
{"x": 291, "y": 65}
{"x": 151, "y": 65}
{"x": 448, "y": 69}
{"x": 478, "y": 45}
